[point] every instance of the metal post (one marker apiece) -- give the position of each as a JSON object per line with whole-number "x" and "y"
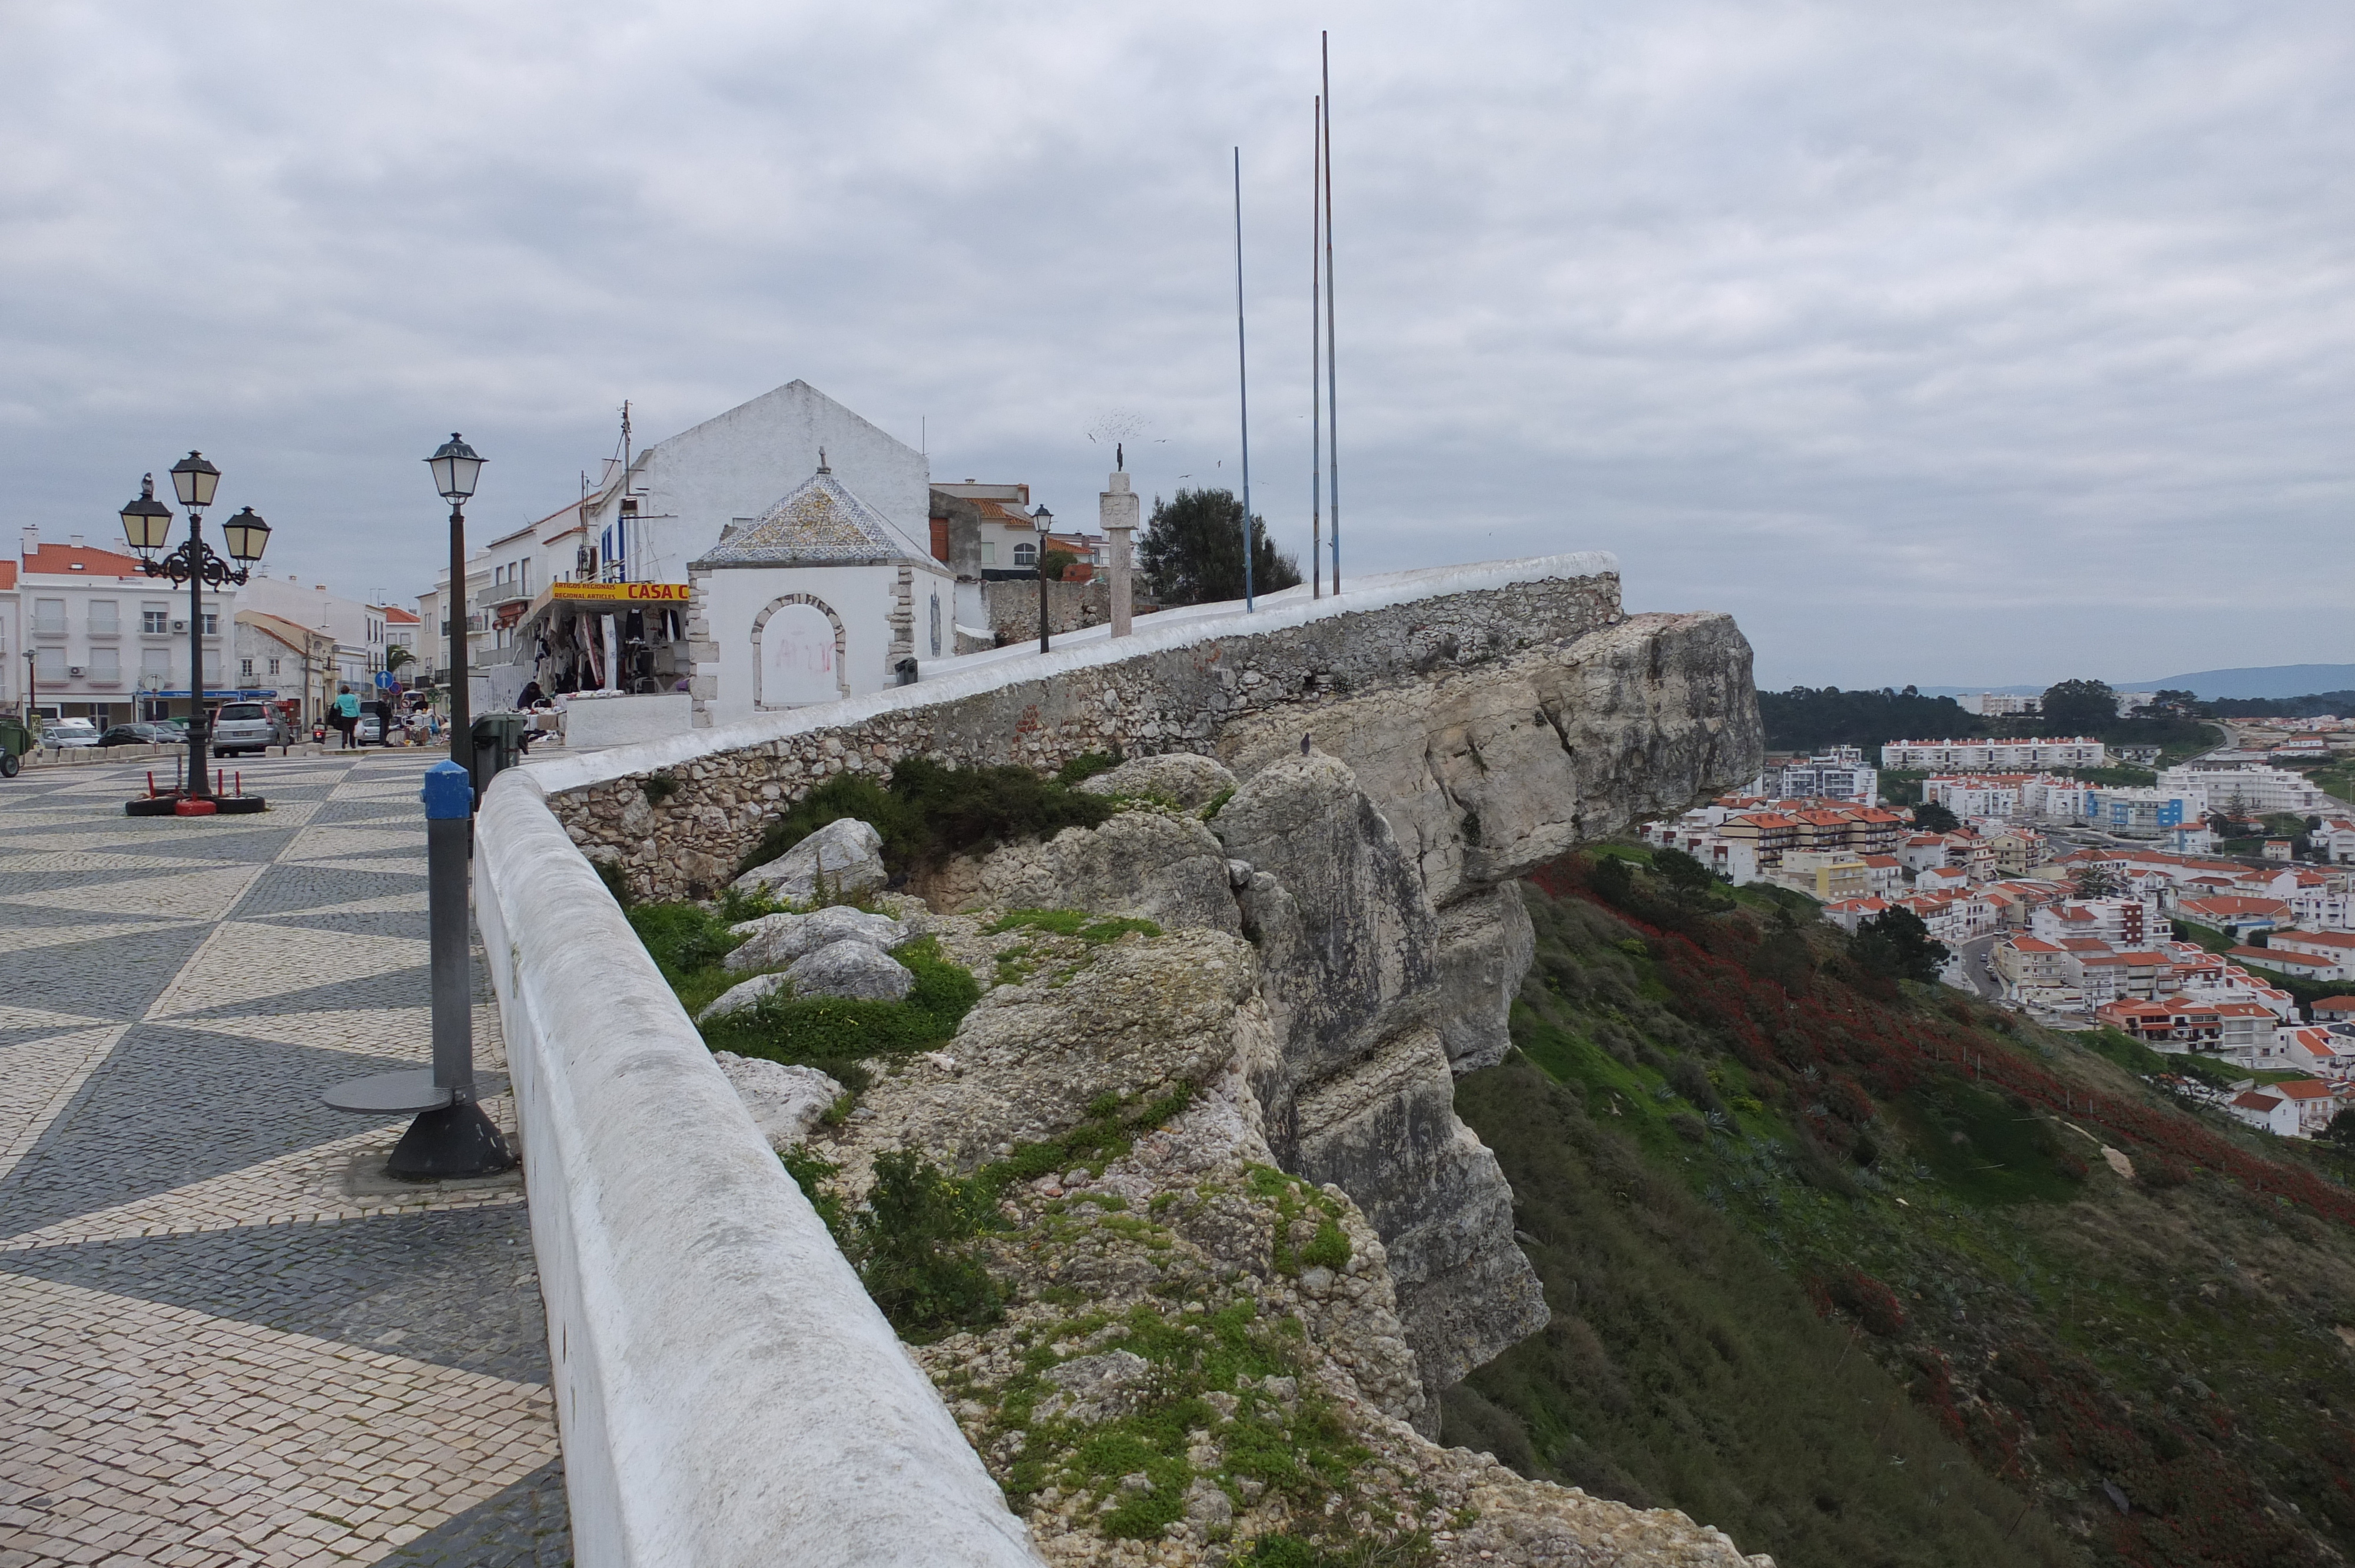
{"x": 1332, "y": 408}
{"x": 1316, "y": 364}
{"x": 1242, "y": 378}
{"x": 451, "y": 1137}
{"x": 1042, "y": 594}
{"x": 460, "y": 743}
{"x": 199, "y": 766}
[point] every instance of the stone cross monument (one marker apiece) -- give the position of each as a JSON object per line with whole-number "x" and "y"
{"x": 1117, "y": 510}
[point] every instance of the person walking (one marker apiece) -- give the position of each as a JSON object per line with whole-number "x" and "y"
{"x": 347, "y": 717}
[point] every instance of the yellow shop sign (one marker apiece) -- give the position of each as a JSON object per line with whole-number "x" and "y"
{"x": 672, "y": 593}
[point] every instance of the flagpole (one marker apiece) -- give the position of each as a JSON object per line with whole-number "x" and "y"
{"x": 1242, "y": 378}
{"x": 1332, "y": 407}
{"x": 1316, "y": 364}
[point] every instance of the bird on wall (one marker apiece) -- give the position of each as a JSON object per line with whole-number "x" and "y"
{"x": 1304, "y": 745}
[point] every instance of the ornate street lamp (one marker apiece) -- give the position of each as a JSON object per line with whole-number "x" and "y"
{"x": 455, "y": 469}
{"x": 147, "y": 525}
{"x": 1042, "y": 519}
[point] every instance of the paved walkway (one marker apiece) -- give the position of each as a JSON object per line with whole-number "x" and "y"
{"x": 225, "y": 1338}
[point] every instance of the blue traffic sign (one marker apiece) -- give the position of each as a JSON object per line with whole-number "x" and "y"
{"x": 385, "y": 681}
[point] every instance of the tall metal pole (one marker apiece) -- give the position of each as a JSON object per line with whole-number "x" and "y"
{"x": 1242, "y": 378}
{"x": 1332, "y": 409}
{"x": 199, "y": 766}
{"x": 1316, "y": 363}
{"x": 461, "y": 744}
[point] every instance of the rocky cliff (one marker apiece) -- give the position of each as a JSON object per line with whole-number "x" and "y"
{"x": 1372, "y": 876}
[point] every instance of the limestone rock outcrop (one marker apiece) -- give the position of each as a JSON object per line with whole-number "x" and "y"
{"x": 774, "y": 940}
{"x": 1162, "y": 866}
{"x": 1188, "y": 780}
{"x": 844, "y": 856}
{"x": 785, "y": 1101}
{"x": 1485, "y": 943}
{"x": 1361, "y": 1094}
{"x": 851, "y": 969}
{"x": 1487, "y": 773}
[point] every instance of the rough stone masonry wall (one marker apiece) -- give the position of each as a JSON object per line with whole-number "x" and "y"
{"x": 1164, "y": 698}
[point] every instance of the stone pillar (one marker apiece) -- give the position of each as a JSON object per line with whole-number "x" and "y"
{"x": 1117, "y": 510}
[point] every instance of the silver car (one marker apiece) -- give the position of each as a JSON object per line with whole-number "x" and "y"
{"x": 244, "y": 726}
{"x": 68, "y": 732}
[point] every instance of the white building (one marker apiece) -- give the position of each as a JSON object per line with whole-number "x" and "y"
{"x": 2246, "y": 789}
{"x": 107, "y": 640}
{"x": 1993, "y": 756}
{"x": 1839, "y": 773}
{"x": 650, "y": 515}
{"x": 1999, "y": 704}
{"x": 818, "y": 599}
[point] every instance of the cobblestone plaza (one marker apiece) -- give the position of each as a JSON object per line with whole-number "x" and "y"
{"x": 225, "y": 1336}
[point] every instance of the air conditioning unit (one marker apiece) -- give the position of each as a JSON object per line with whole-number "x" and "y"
{"x": 180, "y": 628}
{"x": 74, "y": 669}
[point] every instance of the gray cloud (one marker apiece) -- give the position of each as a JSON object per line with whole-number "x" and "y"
{"x": 1941, "y": 342}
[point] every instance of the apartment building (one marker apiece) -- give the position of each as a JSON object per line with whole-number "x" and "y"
{"x": 2032, "y": 754}
{"x": 2239, "y": 791}
{"x": 107, "y": 642}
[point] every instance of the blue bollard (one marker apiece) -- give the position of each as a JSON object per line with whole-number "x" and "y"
{"x": 455, "y": 1139}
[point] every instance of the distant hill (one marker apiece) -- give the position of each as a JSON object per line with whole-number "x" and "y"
{"x": 2265, "y": 680}
{"x": 2268, "y": 680}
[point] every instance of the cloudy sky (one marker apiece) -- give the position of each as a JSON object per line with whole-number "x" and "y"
{"x": 1941, "y": 343}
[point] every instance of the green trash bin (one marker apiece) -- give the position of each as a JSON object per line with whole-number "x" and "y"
{"x": 498, "y": 745}
{"x": 16, "y": 739}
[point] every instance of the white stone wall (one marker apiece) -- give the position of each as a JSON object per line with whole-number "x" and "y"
{"x": 728, "y": 1393}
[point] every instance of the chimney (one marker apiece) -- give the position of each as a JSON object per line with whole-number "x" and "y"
{"x": 32, "y": 537}
{"x": 75, "y": 540}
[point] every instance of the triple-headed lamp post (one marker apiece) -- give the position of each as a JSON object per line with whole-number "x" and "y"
{"x": 455, "y": 469}
{"x": 147, "y": 524}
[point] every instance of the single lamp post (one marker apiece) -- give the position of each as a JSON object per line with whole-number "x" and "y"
{"x": 147, "y": 524}
{"x": 1042, "y": 519}
{"x": 455, "y": 469}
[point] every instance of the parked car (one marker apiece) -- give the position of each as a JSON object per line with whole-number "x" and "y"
{"x": 68, "y": 732}
{"x": 244, "y": 726}
{"x": 372, "y": 730}
{"x": 144, "y": 733}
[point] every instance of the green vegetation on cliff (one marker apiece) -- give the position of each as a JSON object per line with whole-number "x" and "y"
{"x": 1845, "y": 1266}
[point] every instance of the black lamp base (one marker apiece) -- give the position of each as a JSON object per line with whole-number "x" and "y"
{"x": 456, "y": 1141}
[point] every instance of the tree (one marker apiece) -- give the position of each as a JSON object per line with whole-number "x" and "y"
{"x": 2080, "y": 707}
{"x": 2097, "y": 880}
{"x": 396, "y": 656}
{"x": 1685, "y": 876}
{"x": 1934, "y": 818}
{"x": 1896, "y": 944}
{"x": 1192, "y": 551}
{"x": 1055, "y": 563}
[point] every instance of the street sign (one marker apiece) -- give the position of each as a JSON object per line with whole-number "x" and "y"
{"x": 384, "y": 680}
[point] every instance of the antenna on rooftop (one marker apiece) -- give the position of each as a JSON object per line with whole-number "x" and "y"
{"x": 1332, "y": 410}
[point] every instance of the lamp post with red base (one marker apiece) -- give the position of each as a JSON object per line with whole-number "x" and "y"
{"x": 147, "y": 524}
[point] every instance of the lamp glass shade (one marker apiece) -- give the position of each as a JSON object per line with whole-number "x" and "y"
{"x": 195, "y": 480}
{"x": 1042, "y": 519}
{"x": 455, "y": 468}
{"x": 248, "y": 536}
{"x": 146, "y": 522}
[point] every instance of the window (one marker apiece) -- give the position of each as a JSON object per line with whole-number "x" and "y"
{"x": 102, "y": 620}
{"x": 524, "y": 581}
{"x": 273, "y": 666}
{"x": 212, "y": 623}
{"x": 157, "y": 662}
{"x": 1025, "y": 555}
{"x": 106, "y": 666}
{"x": 49, "y": 617}
{"x": 49, "y": 664}
{"x": 245, "y": 668}
{"x": 154, "y": 619}
{"x": 989, "y": 552}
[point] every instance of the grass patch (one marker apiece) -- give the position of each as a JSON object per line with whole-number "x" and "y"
{"x": 819, "y": 1029}
{"x": 1985, "y": 1147}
